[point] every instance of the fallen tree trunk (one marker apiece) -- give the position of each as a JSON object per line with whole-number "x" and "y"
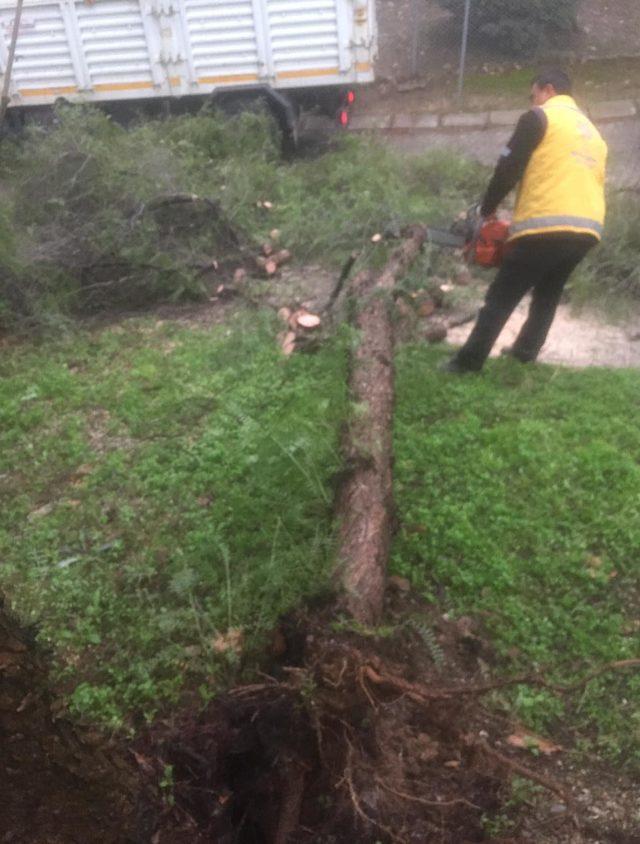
{"x": 365, "y": 500}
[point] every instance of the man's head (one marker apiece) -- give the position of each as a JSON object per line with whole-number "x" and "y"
{"x": 549, "y": 83}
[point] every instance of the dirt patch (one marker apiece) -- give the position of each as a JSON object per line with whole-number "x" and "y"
{"x": 100, "y": 437}
{"x": 610, "y": 28}
{"x": 328, "y": 749}
{"x": 59, "y": 784}
{"x": 351, "y": 736}
{"x": 574, "y": 340}
{"x": 354, "y": 737}
{"x": 308, "y": 286}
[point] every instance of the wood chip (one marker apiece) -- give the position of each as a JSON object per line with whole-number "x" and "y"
{"x": 376, "y": 238}
{"x": 529, "y": 741}
{"x": 282, "y": 256}
{"x": 232, "y": 640}
{"x": 293, "y": 318}
{"x": 289, "y": 343}
{"x": 307, "y": 320}
{"x": 45, "y": 510}
{"x": 426, "y": 308}
{"x": 399, "y": 583}
{"x": 284, "y": 314}
{"x": 239, "y": 275}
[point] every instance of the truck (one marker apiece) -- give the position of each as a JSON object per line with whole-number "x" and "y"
{"x": 290, "y": 54}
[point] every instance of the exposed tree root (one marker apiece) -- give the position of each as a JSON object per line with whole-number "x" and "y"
{"x": 342, "y": 746}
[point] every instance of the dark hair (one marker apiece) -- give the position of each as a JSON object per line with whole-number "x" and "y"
{"x": 553, "y": 76}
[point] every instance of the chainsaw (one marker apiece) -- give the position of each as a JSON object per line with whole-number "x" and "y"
{"x": 482, "y": 240}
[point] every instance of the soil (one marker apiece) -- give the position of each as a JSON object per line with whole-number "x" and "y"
{"x": 60, "y": 783}
{"x": 354, "y": 738}
{"x": 349, "y": 737}
{"x": 610, "y": 27}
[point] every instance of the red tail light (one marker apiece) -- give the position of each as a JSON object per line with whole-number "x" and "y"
{"x": 343, "y": 117}
{"x": 351, "y": 97}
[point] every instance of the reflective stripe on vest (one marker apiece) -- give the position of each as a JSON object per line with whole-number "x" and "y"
{"x": 562, "y": 188}
{"x": 560, "y": 221}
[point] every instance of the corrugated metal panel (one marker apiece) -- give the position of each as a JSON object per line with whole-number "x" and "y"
{"x": 303, "y": 35}
{"x": 42, "y": 56}
{"x": 113, "y": 42}
{"x": 223, "y": 38}
{"x": 114, "y": 49}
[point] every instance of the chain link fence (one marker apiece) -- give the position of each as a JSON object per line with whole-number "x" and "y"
{"x": 454, "y": 38}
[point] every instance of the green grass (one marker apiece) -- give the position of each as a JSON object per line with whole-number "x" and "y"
{"x": 160, "y": 486}
{"x": 163, "y": 485}
{"x": 594, "y": 80}
{"x": 519, "y": 493}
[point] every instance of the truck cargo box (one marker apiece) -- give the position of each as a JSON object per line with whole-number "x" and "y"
{"x": 110, "y": 50}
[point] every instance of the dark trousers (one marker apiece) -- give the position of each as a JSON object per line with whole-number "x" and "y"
{"x": 541, "y": 263}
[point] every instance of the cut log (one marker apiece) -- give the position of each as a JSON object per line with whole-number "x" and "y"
{"x": 365, "y": 499}
{"x": 307, "y": 320}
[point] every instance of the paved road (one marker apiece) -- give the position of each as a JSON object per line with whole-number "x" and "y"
{"x": 623, "y": 138}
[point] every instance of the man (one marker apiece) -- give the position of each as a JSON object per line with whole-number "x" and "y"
{"x": 557, "y": 158}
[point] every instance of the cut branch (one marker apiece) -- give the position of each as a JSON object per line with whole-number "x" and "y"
{"x": 344, "y": 275}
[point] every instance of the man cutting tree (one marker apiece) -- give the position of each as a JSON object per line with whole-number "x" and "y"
{"x": 557, "y": 158}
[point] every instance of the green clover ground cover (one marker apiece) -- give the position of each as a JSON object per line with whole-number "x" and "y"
{"x": 519, "y": 492}
{"x": 161, "y": 485}
{"x": 164, "y": 485}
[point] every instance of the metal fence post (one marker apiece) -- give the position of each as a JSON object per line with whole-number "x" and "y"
{"x": 414, "y": 20}
{"x": 463, "y": 49}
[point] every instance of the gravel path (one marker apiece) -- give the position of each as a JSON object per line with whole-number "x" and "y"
{"x": 623, "y": 138}
{"x": 573, "y": 340}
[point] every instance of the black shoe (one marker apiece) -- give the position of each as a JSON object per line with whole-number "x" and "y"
{"x": 510, "y": 352}
{"x": 454, "y": 366}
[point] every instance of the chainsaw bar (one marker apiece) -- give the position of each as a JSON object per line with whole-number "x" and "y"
{"x": 440, "y": 237}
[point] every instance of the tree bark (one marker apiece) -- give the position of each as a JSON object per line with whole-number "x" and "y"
{"x": 365, "y": 500}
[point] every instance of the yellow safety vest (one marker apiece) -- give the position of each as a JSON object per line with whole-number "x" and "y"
{"x": 562, "y": 189}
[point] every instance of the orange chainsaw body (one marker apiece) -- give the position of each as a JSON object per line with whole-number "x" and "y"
{"x": 488, "y": 247}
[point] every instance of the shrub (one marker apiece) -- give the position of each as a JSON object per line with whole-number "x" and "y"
{"x": 99, "y": 217}
{"x": 518, "y": 26}
{"x": 611, "y": 275}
